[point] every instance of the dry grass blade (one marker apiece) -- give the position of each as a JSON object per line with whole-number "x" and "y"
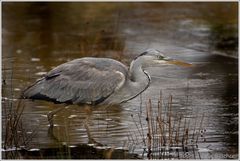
{"x": 200, "y": 128}
{"x": 166, "y": 132}
{"x": 149, "y": 134}
{"x": 169, "y": 120}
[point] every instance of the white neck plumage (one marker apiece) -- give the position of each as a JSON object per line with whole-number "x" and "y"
{"x": 139, "y": 79}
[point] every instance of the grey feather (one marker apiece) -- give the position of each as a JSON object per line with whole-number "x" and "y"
{"x": 79, "y": 81}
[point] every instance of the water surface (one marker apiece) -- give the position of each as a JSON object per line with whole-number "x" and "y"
{"x": 39, "y": 36}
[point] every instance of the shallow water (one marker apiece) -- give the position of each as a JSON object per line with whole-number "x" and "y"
{"x": 40, "y": 36}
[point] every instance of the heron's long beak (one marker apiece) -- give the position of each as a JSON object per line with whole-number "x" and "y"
{"x": 169, "y": 60}
{"x": 179, "y": 63}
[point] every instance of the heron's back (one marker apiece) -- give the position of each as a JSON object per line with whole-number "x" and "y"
{"x": 85, "y": 80}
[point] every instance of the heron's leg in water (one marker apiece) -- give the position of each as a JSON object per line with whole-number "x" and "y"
{"x": 91, "y": 140}
{"x": 51, "y": 114}
{"x": 86, "y": 122}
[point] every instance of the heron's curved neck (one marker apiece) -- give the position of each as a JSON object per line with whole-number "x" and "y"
{"x": 140, "y": 80}
{"x": 136, "y": 72}
{"x": 137, "y": 83}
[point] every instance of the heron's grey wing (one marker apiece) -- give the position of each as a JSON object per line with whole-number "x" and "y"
{"x": 79, "y": 81}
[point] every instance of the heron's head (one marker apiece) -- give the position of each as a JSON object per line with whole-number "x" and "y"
{"x": 153, "y": 57}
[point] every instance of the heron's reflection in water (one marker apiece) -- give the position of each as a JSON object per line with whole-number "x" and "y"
{"x": 84, "y": 123}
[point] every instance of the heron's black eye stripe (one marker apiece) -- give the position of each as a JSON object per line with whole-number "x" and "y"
{"x": 160, "y": 57}
{"x": 144, "y": 53}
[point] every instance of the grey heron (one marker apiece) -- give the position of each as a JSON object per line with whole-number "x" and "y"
{"x": 95, "y": 81}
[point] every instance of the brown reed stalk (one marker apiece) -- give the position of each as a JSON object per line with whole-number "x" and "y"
{"x": 160, "y": 118}
{"x": 153, "y": 130}
{"x": 187, "y": 133}
{"x": 149, "y": 135}
{"x": 169, "y": 119}
{"x": 200, "y": 128}
{"x": 193, "y": 134}
{"x": 183, "y": 137}
{"x": 165, "y": 129}
{"x": 13, "y": 122}
{"x": 194, "y": 155}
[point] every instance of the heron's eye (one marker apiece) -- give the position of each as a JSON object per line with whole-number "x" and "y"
{"x": 160, "y": 57}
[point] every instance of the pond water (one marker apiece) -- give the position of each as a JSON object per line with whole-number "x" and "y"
{"x": 37, "y": 37}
